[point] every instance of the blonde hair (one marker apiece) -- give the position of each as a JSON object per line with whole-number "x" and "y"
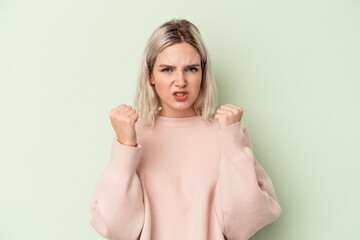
{"x": 147, "y": 103}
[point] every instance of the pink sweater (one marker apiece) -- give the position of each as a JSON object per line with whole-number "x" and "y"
{"x": 185, "y": 180}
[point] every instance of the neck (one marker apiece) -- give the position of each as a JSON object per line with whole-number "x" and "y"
{"x": 191, "y": 113}
{"x": 162, "y": 121}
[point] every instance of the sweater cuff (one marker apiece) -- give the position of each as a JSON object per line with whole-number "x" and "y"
{"x": 232, "y": 136}
{"x": 124, "y": 159}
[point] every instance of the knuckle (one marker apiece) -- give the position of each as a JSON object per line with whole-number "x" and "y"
{"x": 112, "y": 113}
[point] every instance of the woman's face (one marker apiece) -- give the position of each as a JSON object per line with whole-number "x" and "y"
{"x": 177, "y": 68}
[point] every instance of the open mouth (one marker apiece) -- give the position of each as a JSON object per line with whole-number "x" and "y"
{"x": 180, "y": 96}
{"x": 180, "y": 93}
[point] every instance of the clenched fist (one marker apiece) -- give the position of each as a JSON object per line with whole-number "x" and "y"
{"x": 123, "y": 120}
{"x": 228, "y": 114}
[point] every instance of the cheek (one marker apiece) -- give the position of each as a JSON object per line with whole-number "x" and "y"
{"x": 161, "y": 87}
{"x": 198, "y": 82}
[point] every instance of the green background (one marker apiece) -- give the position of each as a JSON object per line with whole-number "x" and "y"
{"x": 293, "y": 66}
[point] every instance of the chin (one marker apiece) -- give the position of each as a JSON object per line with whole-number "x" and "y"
{"x": 183, "y": 107}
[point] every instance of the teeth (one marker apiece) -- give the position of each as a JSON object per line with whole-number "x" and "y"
{"x": 180, "y": 94}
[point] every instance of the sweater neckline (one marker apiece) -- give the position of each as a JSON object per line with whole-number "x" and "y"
{"x": 178, "y": 122}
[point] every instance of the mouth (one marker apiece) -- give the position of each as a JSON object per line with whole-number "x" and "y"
{"x": 180, "y": 93}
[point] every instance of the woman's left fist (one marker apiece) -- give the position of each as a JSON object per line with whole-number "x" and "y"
{"x": 228, "y": 114}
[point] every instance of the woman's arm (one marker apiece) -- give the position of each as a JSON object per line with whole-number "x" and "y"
{"x": 245, "y": 199}
{"x": 117, "y": 208}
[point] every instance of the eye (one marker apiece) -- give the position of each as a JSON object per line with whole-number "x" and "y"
{"x": 165, "y": 69}
{"x": 193, "y": 69}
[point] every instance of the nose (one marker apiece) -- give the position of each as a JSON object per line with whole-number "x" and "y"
{"x": 180, "y": 80}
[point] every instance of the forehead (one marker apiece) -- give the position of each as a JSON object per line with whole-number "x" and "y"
{"x": 178, "y": 54}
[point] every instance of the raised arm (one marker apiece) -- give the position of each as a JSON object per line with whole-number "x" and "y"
{"x": 245, "y": 199}
{"x": 117, "y": 208}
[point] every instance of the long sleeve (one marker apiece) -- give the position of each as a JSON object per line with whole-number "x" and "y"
{"x": 245, "y": 199}
{"x": 117, "y": 208}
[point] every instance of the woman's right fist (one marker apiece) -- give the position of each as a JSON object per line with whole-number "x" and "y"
{"x": 123, "y": 120}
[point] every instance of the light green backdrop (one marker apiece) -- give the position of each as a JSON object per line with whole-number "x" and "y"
{"x": 293, "y": 66}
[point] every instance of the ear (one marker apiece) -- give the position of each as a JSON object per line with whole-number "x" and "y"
{"x": 151, "y": 79}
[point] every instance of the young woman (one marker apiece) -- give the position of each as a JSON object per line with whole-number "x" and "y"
{"x": 177, "y": 170}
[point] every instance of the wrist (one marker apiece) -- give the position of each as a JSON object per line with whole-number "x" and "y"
{"x": 127, "y": 144}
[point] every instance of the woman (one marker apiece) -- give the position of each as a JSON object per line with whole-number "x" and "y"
{"x": 181, "y": 171}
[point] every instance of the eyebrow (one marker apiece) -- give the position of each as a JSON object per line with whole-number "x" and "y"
{"x": 191, "y": 65}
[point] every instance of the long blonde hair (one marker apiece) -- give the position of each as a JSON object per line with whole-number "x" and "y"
{"x": 147, "y": 102}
